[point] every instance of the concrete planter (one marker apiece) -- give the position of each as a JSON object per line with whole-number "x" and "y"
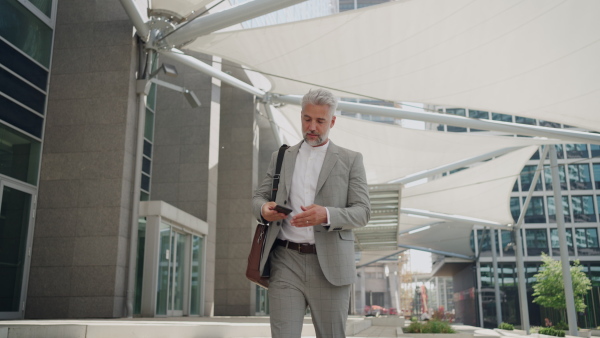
{"x": 595, "y": 333}
{"x": 439, "y": 335}
{"x": 387, "y": 321}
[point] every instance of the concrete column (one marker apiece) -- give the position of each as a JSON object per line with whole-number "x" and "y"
{"x": 182, "y": 173}
{"x": 79, "y": 260}
{"x": 238, "y": 165}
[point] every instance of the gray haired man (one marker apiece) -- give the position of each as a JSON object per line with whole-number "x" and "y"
{"x": 311, "y": 250}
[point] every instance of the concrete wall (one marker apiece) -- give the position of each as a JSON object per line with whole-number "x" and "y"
{"x": 79, "y": 259}
{"x": 238, "y": 165}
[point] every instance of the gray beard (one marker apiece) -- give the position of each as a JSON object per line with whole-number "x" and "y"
{"x": 315, "y": 142}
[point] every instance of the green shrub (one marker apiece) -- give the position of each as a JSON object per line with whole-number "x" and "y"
{"x": 561, "y": 325}
{"x": 506, "y": 326}
{"x": 552, "y": 332}
{"x": 432, "y": 326}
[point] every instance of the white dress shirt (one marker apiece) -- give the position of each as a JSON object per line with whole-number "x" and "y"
{"x": 302, "y": 192}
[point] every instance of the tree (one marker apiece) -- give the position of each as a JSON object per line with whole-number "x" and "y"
{"x": 549, "y": 289}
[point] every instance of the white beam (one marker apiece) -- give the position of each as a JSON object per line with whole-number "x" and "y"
{"x": 205, "y": 68}
{"x": 562, "y": 240}
{"x": 456, "y": 218}
{"x": 452, "y": 166}
{"x": 511, "y": 128}
{"x": 444, "y": 253}
{"x": 274, "y": 126}
{"x": 136, "y": 17}
{"x": 213, "y": 22}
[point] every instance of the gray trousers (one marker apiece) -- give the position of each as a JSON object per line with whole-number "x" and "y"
{"x": 297, "y": 282}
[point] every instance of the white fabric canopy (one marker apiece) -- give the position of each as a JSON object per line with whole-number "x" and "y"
{"x": 392, "y": 152}
{"x": 446, "y": 236}
{"x": 534, "y": 58}
{"x": 480, "y": 192}
{"x": 183, "y": 8}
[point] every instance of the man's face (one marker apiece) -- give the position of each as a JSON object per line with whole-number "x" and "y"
{"x": 316, "y": 123}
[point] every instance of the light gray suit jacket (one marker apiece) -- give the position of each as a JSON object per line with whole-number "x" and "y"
{"x": 342, "y": 188}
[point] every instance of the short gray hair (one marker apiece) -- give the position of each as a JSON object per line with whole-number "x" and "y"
{"x": 321, "y": 97}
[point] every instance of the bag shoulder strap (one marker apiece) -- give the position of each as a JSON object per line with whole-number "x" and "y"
{"x": 277, "y": 175}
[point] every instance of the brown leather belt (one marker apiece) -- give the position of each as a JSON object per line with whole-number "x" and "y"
{"x": 303, "y": 248}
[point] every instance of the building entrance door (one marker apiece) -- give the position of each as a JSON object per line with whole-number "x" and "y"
{"x": 173, "y": 269}
{"x": 15, "y": 247}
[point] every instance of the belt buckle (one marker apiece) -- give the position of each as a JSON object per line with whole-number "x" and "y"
{"x": 300, "y": 245}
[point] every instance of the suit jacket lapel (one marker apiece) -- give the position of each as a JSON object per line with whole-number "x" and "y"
{"x": 331, "y": 157}
{"x": 289, "y": 163}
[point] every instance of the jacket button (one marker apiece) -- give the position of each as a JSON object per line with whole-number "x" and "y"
{"x": 284, "y": 202}
{"x": 278, "y": 223}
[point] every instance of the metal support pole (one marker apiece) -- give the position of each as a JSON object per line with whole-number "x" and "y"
{"x": 562, "y": 239}
{"x": 274, "y": 126}
{"x": 455, "y": 218}
{"x": 496, "y": 280}
{"x": 203, "y": 67}
{"x": 524, "y": 305}
{"x": 511, "y": 128}
{"x": 210, "y": 23}
{"x": 137, "y": 179}
{"x": 135, "y": 15}
{"x": 443, "y": 253}
{"x": 455, "y": 165}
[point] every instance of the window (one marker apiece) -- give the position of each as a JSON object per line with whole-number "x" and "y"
{"x": 549, "y": 124}
{"x": 555, "y": 242}
{"x": 527, "y": 178}
{"x": 501, "y": 117}
{"x": 579, "y": 176}
{"x": 525, "y": 120}
{"x": 458, "y": 112}
{"x": 552, "y": 210}
{"x": 508, "y": 243}
{"x": 25, "y": 31}
{"x": 583, "y": 209}
{"x": 515, "y": 208}
{"x": 587, "y": 241}
{"x": 485, "y": 244}
{"x": 577, "y": 151}
{"x": 537, "y": 241}
{"x": 597, "y": 175}
{"x": 561, "y": 176}
{"x": 19, "y": 155}
{"x": 536, "y": 213}
{"x": 595, "y": 150}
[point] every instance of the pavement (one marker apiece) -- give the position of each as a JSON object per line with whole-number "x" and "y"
{"x": 213, "y": 327}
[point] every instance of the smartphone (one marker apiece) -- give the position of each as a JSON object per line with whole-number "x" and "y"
{"x": 282, "y": 209}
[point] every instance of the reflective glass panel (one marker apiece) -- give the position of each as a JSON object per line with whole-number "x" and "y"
{"x": 579, "y": 176}
{"x": 536, "y": 213}
{"x": 524, "y": 120}
{"x": 555, "y": 241}
{"x": 197, "y": 278}
{"x": 24, "y": 30}
{"x": 164, "y": 260}
{"x": 537, "y": 241}
{"x": 561, "y": 176}
{"x": 515, "y": 208}
{"x": 577, "y": 151}
{"x": 597, "y": 175}
{"x": 552, "y": 210}
{"x": 527, "y": 178}
{"x": 14, "y": 227}
{"x": 43, "y": 5}
{"x": 23, "y": 66}
{"x": 139, "y": 269}
{"x": 149, "y": 127}
{"x": 14, "y": 114}
{"x": 22, "y": 92}
{"x": 19, "y": 155}
{"x": 501, "y": 117}
{"x": 583, "y": 209}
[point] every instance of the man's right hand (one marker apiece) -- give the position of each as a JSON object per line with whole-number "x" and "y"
{"x": 270, "y": 214}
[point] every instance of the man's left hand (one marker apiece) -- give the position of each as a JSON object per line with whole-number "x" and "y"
{"x": 312, "y": 215}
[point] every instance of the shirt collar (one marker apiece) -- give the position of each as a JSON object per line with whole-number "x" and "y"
{"x": 308, "y": 148}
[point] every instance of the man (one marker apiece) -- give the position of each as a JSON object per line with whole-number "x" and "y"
{"x": 311, "y": 251}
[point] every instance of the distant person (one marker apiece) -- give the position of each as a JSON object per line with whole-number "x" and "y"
{"x": 311, "y": 251}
